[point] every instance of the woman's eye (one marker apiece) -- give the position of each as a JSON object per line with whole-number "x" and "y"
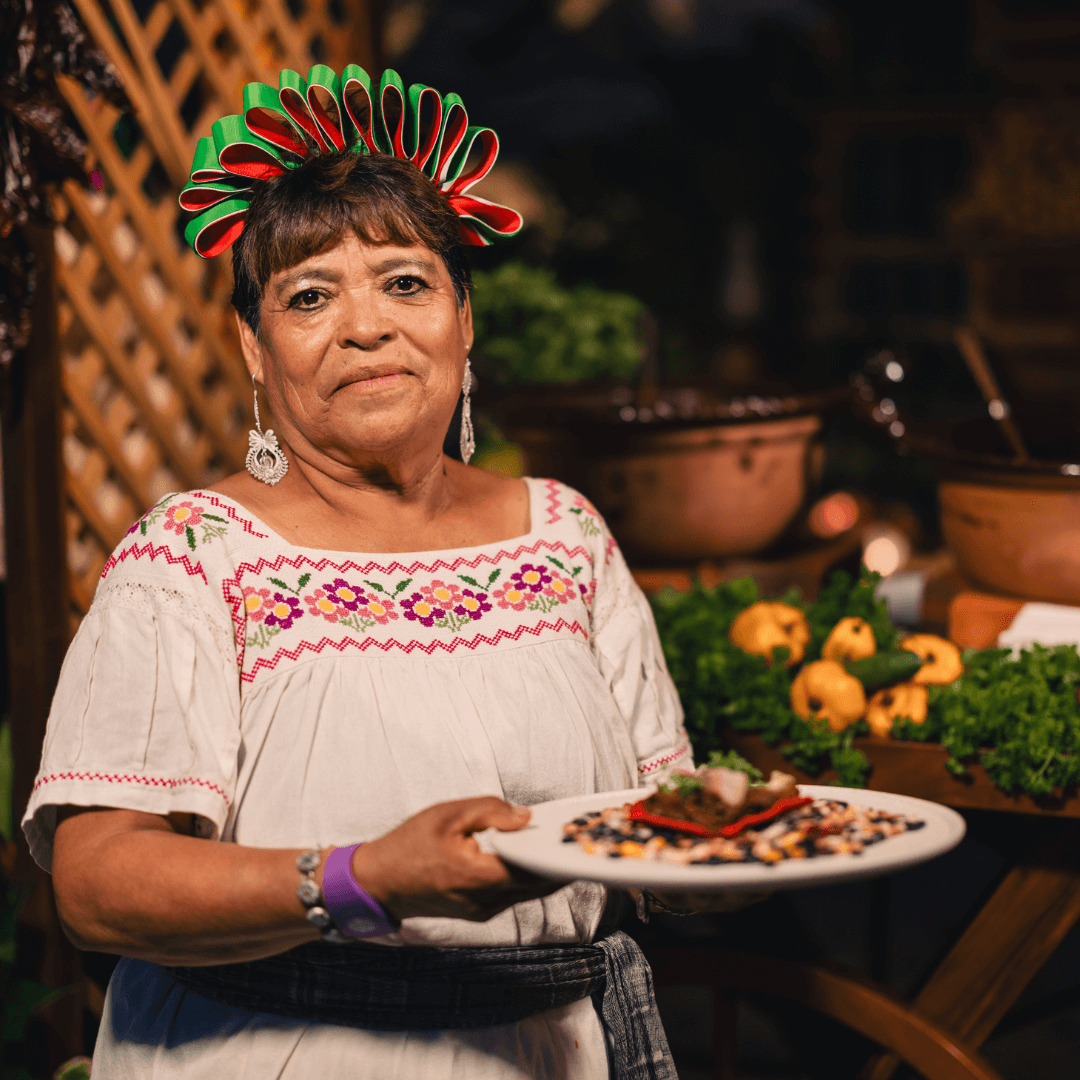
{"x": 407, "y": 286}
{"x": 307, "y": 299}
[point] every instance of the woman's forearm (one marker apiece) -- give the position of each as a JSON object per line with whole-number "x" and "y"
{"x": 134, "y": 884}
{"x": 127, "y": 883}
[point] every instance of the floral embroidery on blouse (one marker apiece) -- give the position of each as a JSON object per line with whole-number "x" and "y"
{"x": 256, "y": 603}
{"x": 588, "y": 517}
{"x": 340, "y": 602}
{"x": 284, "y": 611}
{"x": 533, "y": 587}
{"x": 183, "y": 518}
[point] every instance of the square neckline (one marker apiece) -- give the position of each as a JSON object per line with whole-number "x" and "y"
{"x": 532, "y": 483}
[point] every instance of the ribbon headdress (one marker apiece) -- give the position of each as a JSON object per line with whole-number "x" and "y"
{"x": 327, "y": 114}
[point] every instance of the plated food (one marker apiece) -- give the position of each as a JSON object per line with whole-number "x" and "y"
{"x": 715, "y": 815}
{"x": 542, "y": 848}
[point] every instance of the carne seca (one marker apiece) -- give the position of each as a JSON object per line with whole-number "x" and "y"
{"x": 765, "y": 823}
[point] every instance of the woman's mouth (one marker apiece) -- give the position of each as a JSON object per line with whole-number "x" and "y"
{"x": 374, "y": 381}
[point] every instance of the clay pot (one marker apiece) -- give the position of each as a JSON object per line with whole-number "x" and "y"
{"x": 706, "y": 492}
{"x": 1017, "y": 540}
{"x": 672, "y": 486}
{"x": 1014, "y": 528}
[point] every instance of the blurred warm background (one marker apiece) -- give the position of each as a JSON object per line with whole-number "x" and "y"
{"x": 799, "y": 291}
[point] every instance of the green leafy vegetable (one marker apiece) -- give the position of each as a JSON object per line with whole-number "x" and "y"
{"x": 720, "y": 685}
{"x": 683, "y": 783}
{"x": 537, "y": 331}
{"x": 1018, "y": 716}
{"x": 733, "y": 760}
{"x": 842, "y": 597}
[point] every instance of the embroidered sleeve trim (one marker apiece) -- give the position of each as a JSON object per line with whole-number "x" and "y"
{"x": 152, "y": 551}
{"x": 553, "y": 501}
{"x": 428, "y": 648}
{"x": 656, "y": 763}
{"x": 168, "y": 782}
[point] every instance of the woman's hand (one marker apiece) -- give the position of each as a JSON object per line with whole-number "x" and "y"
{"x": 432, "y": 864}
{"x": 140, "y": 885}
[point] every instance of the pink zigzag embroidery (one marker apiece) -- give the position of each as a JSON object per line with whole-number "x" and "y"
{"x": 215, "y": 501}
{"x": 261, "y": 565}
{"x": 612, "y": 544}
{"x": 660, "y": 762}
{"x": 553, "y": 502}
{"x": 148, "y": 781}
{"x": 409, "y": 646}
{"x": 148, "y": 550}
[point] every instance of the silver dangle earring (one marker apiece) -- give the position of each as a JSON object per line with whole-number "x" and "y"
{"x": 468, "y": 439}
{"x": 265, "y": 460}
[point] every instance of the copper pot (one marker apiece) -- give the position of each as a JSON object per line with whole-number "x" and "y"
{"x": 672, "y": 486}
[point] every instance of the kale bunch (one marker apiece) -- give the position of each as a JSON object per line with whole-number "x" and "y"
{"x": 720, "y": 685}
{"x": 1018, "y": 717}
{"x": 531, "y": 330}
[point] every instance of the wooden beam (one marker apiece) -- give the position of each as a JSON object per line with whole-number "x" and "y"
{"x": 36, "y": 600}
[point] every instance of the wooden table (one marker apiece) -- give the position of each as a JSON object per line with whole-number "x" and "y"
{"x": 1036, "y": 904}
{"x": 1014, "y": 933}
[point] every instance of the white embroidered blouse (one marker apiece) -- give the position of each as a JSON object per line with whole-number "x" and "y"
{"x": 294, "y": 697}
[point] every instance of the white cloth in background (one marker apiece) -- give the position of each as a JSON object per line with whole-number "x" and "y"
{"x": 292, "y": 697}
{"x": 1047, "y": 624}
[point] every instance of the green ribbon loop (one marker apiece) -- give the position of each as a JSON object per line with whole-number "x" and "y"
{"x": 326, "y": 114}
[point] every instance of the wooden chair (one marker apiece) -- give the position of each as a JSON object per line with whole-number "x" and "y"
{"x": 924, "y": 1045}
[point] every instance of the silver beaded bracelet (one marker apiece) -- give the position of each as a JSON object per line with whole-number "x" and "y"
{"x": 309, "y": 894}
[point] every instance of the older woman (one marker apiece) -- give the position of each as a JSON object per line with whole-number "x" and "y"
{"x": 301, "y": 692}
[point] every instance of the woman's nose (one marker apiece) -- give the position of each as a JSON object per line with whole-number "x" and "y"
{"x": 364, "y": 322}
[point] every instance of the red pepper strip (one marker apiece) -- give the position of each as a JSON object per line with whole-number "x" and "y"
{"x": 777, "y": 808}
{"x": 639, "y": 813}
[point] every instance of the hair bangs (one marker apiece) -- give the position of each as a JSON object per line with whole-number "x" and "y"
{"x": 381, "y": 199}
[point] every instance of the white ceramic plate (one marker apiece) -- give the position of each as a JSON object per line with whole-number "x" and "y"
{"x": 539, "y": 847}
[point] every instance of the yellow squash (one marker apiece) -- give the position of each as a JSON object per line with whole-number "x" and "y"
{"x": 825, "y": 690}
{"x": 941, "y": 659}
{"x": 849, "y": 639}
{"x": 905, "y": 701}
{"x": 765, "y": 626}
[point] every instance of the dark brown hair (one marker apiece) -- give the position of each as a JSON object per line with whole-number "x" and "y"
{"x": 382, "y": 199}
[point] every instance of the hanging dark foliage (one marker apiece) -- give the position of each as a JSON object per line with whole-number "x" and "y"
{"x": 40, "y": 140}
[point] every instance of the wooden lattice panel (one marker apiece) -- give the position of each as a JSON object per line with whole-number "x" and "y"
{"x": 156, "y": 397}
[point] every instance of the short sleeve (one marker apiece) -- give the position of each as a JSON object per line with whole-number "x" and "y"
{"x": 146, "y": 711}
{"x": 627, "y": 647}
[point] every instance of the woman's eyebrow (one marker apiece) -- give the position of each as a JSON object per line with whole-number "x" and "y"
{"x": 389, "y": 265}
{"x": 313, "y": 273}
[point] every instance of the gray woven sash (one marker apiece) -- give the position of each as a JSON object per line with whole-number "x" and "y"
{"x": 381, "y": 988}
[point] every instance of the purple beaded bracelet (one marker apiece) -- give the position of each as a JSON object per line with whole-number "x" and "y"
{"x": 353, "y": 910}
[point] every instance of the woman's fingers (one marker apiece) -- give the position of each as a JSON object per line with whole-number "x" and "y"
{"x": 433, "y": 865}
{"x": 489, "y": 812}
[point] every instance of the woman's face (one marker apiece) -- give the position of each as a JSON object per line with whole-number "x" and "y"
{"x": 362, "y": 351}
